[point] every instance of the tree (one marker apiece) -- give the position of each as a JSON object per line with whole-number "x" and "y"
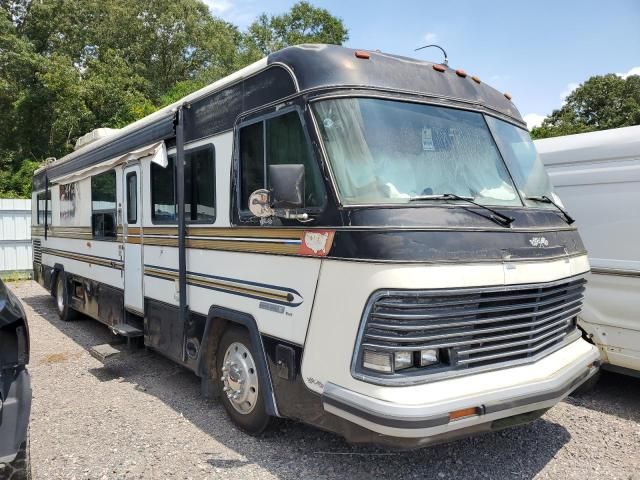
{"x": 304, "y": 23}
{"x": 600, "y": 103}
{"x": 69, "y": 66}
{"x": 162, "y": 41}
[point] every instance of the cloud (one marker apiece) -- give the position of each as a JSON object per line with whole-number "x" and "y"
{"x": 429, "y": 37}
{"x": 567, "y": 91}
{"x": 237, "y": 12}
{"x": 633, "y": 71}
{"x": 219, "y": 7}
{"x": 533, "y": 120}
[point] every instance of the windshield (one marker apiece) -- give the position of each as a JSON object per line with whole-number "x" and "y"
{"x": 523, "y": 161}
{"x": 384, "y": 151}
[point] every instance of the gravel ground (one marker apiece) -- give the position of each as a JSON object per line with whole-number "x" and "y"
{"x": 143, "y": 417}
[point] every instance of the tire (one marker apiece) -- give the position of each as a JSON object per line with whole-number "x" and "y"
{"x": 65, "y": 312}
{"x": 20, "y": 468}
{"x": 242, "y": 397}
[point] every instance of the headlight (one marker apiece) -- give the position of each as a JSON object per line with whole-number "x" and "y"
{"x": 429, "y": 357}
{"x": 393, "y": 362}
{"x": 402, "y": 360}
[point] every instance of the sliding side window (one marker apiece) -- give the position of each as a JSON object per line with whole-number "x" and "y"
{"x": 44, "y": 205}
{"x": 103, "y": 205}
{"x": 277, "y": 141}
{"x": 199, "y": 188}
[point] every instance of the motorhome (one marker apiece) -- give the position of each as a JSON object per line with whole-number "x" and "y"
{"x": 364, "y": 242}
{"x": 597, "y": 175}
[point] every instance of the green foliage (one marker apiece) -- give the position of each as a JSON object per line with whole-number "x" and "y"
{"x": 600, "y": 103}
{"x": 304, "y": 23}
{"x": 17, "y": 184}
{"x": 69, "y": 66}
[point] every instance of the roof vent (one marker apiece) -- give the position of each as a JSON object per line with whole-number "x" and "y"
{"x": 94, "y": 136}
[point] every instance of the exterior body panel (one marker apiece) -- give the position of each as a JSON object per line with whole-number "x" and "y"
{"x": 597, "y": 176}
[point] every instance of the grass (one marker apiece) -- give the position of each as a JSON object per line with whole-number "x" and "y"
{"x": 15, "y": 275}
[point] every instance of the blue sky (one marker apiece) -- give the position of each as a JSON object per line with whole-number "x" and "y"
{"x": 538, "y": 51}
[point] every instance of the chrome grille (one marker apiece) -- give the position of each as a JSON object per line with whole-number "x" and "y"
{"x": 473, "y": 328}
{"x": 37, "y": 251}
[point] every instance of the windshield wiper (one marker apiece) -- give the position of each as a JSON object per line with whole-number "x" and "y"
{"x": 496, "y": 216}
{"x": 545, "y": 199}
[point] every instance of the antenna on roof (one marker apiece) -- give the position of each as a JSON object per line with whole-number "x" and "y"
{"x": 446, "y": 60}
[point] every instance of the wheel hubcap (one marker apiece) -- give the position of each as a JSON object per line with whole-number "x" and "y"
{"x": 240, "y": 378}
{"x": 60, "y": 295}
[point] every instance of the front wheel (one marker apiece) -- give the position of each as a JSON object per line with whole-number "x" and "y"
{"x": 242, "y": 397}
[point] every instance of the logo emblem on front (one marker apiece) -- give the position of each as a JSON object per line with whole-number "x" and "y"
{"x": 539, "y": 242}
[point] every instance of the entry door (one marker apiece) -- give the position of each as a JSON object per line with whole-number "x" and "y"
{"x": 132, "y": 220}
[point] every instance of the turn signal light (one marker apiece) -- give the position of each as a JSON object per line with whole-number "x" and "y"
{"x": 380, "y": 361}
{"x": 463, "y": 413}
{"x": 475, "y": 79}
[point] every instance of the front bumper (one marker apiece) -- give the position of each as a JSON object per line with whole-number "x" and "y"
{"x": 408, "y": 425}
{"x": 14, "y": 416}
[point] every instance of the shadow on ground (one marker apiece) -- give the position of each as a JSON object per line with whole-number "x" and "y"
{"x": 294, "y": 450}
{"x": 614, "y": 394}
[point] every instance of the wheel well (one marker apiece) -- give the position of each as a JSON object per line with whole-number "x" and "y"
{"x": 218, "y": 319}
{"x": 14, "y": 343}
{"x": 213, "y": 332}
{"x": 57, "y": 268}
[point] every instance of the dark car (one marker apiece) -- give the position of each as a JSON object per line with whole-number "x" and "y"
{"x": 15, "y": 388}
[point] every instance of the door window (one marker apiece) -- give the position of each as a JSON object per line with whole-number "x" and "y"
{"x": 132, "y": 197}
{"x": 276, "y": 141}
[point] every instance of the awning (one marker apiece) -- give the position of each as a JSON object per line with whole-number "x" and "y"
{"x": 158, "y": 150}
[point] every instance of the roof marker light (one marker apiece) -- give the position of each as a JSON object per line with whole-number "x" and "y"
{"x": 362, "y": 54}
{"x": 439, "y": 68}
{"x": 507, "y": 96}
{"x": 461, "y": 73}
{"x": 475, "y": 79}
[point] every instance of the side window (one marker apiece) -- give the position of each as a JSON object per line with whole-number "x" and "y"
{"x": 103, "y": 205}
{"x": 44, "y": 206}
{"x": 285, "y": 142}
{"x": 199, "y": 188}
{"x": 132, "y": 197}
{"x": 163, "y": 195}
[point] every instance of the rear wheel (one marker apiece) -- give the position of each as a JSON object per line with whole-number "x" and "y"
{"x": 65, "y": 311}
{"x": 238, "y": 373}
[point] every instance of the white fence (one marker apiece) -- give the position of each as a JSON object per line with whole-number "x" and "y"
{"x": 15, "y": 236}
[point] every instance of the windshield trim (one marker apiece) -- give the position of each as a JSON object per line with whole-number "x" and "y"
{"x": 433, "y": 101}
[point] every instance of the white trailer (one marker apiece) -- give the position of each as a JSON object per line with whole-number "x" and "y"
{"x": 364, "y": 242}
{"x": 597, "y": 175}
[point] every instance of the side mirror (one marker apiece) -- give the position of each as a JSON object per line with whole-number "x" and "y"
{"x": 260, "y": 203}
{"x": 287, "y": 185}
